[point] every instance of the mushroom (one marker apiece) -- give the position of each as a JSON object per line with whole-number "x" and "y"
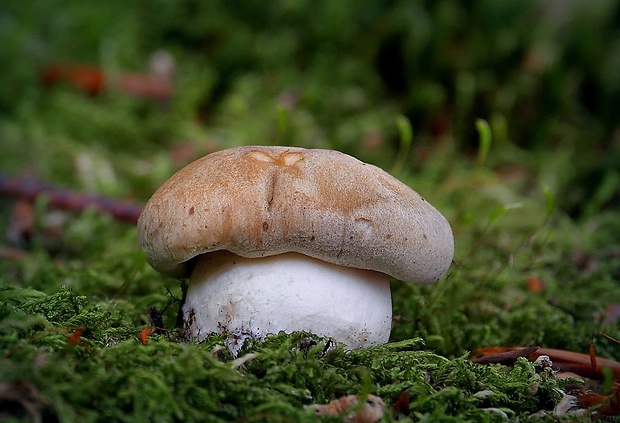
{"x": 291, "y": 239}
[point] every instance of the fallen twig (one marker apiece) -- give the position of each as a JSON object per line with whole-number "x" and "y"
{"x": 31, "y": 189}
{"x": 565, "y": 361}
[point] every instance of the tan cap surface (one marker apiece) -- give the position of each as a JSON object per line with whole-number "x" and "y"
{"x": 262, "y": 201}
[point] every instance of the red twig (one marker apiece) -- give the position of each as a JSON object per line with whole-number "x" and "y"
{"x": 566, "y": 361}
{"x": 65, "y": 199}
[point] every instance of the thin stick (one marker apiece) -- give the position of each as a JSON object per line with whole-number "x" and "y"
{"x": 31, "y": 189}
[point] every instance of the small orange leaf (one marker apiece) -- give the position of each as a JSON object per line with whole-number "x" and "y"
{"x": 402, "y": 404}
{"x": 534, "y": 284}
{"x": 75, "y": 336}
{"x": 588, "y": 400}
{"x": 145, "y": 334}
{"x": 609, "y": 405}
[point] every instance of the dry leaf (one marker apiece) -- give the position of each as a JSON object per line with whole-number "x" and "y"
{"x": 370, "y": 412}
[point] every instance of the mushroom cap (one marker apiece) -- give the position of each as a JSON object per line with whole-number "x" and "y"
{"x": 262, "y": 201}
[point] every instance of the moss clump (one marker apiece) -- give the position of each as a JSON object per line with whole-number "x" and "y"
{"x": 107, "y": 374}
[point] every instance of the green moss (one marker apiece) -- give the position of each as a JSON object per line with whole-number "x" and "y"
{"x": 109, "y": 375}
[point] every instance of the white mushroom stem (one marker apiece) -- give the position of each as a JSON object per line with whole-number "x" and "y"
{"x": 253, "y": 297}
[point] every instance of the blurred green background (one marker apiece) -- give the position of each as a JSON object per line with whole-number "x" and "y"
{"x": 320, "y": 74}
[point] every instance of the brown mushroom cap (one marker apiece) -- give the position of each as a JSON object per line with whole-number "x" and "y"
{"x": 263, "y": 201}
